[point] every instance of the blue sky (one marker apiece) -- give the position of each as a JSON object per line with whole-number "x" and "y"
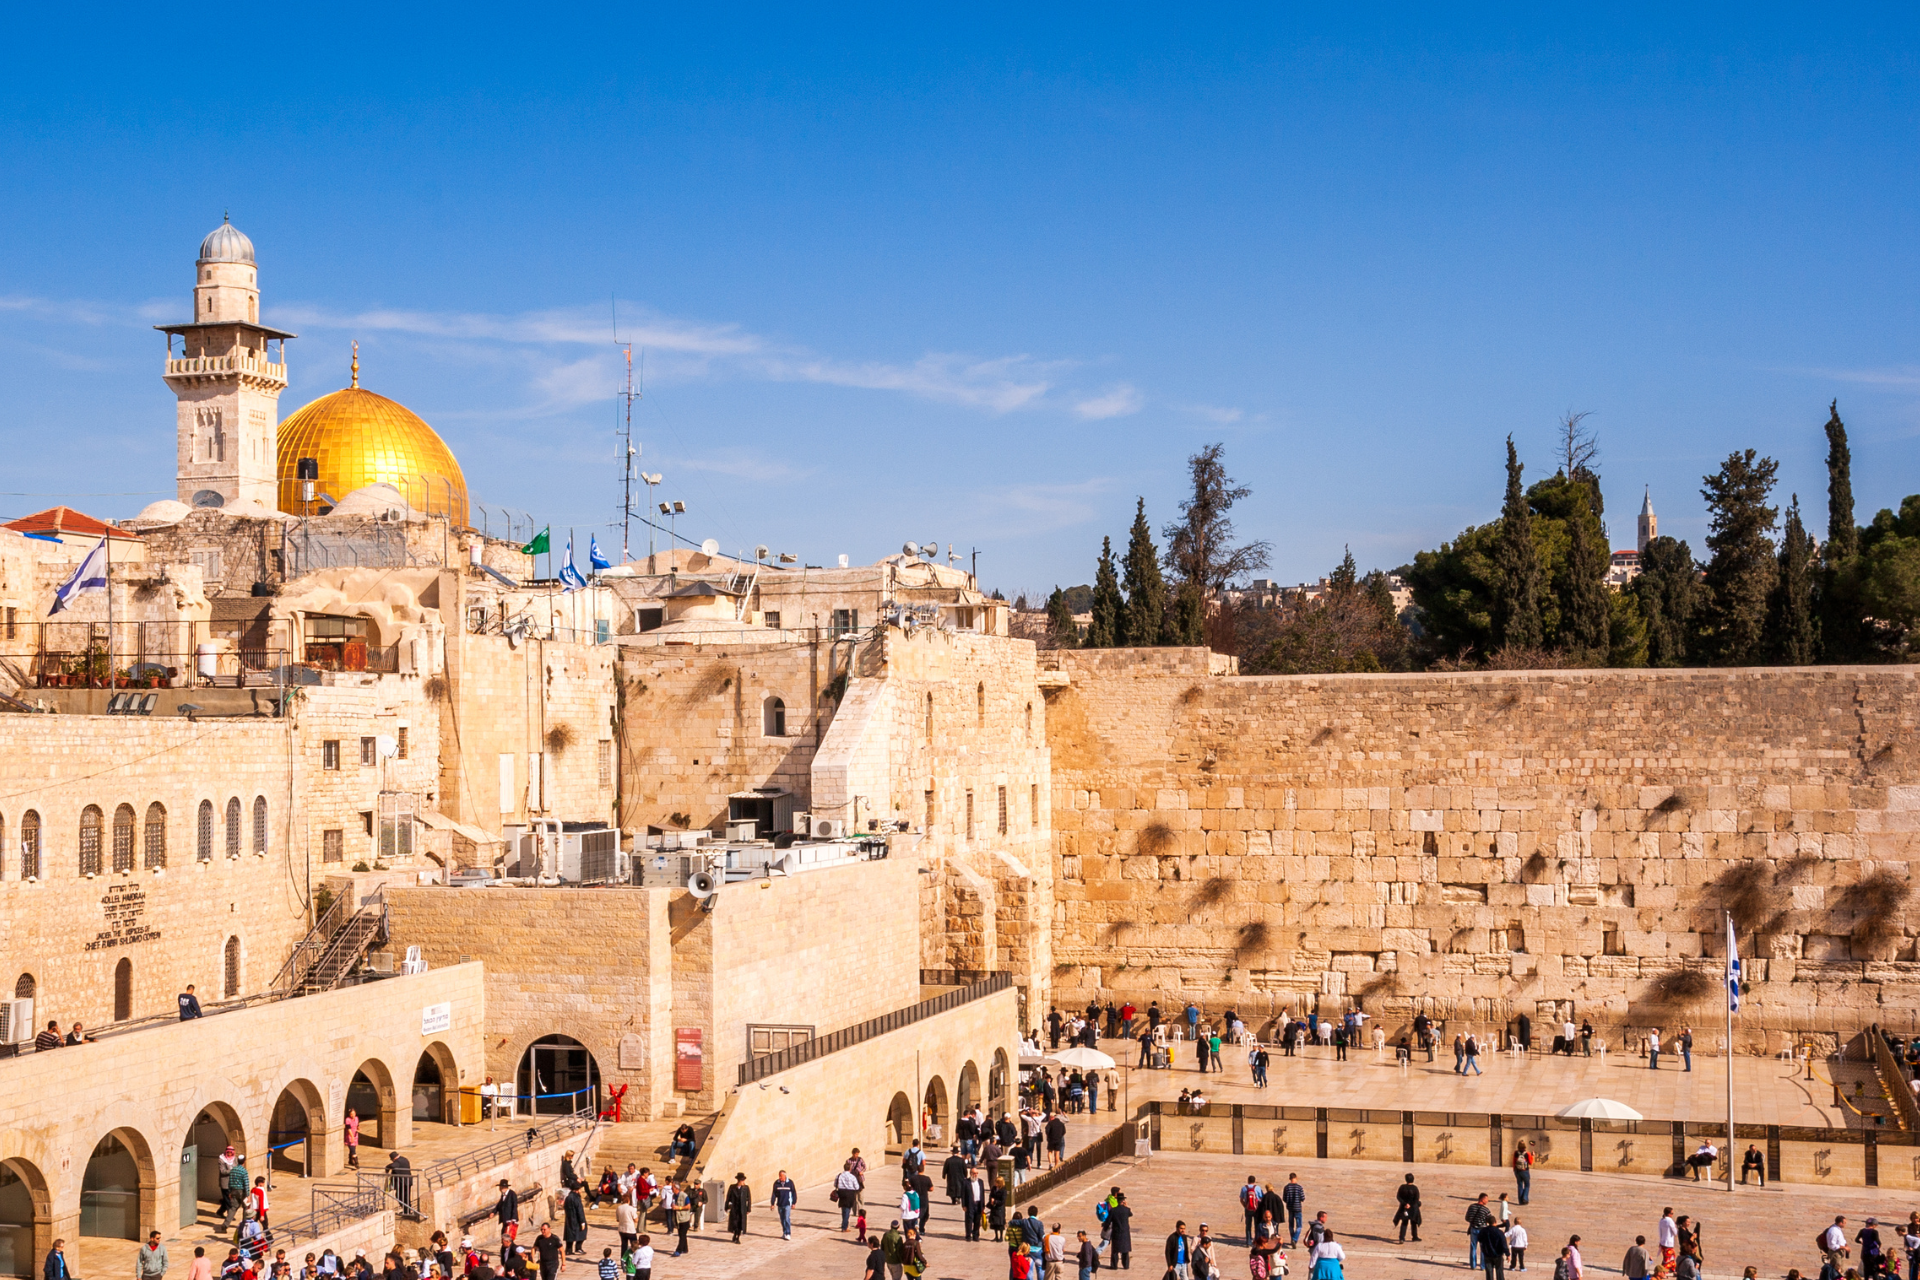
{"x": 987, "y": 277}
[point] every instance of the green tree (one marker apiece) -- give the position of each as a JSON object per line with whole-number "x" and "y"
{"x": 1350, "y": 627}
{"x": 1885, "y": 578}
{"x": 1453, "y": 592}
{"x": 1201, "y": 553}
{"x": 1103, "y": 632}
{"x": 1626, "y": 631}
{"x": 1667, "y": 592}
{"x": 1585, "y": 611}
{"x": 1741, "y": 572}
{"x": 1790, "y": 624}
{"x": 1516, "y": 600}
{"x": 1345, "y": 577}
{"x": 1843, "y": 626}
{"x": 1060, "y": 621}
{"x": 1146, "y": 590}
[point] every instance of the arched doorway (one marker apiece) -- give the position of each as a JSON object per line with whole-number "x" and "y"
{"x": 899, "y": 1122}
{"x": 123, "y": 990}
{"x": 370, "y": 1096}
{"x": 436, "y": 1083}
{"x": 936, "y": 1118}
{"x": 968, "y": 1095}
{"x": 297, "y": 1132}
{"x": 116, "y": 1194}
{"x": 557, "y": 1077}
{"x": 26, "y": 1225}
{"x": 997, "y": 1095}
{"x": 201, "y": 1178}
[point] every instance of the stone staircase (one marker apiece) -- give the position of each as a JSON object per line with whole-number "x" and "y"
{"x": 644, "y": 1143}
{"x": 334, "y": 945}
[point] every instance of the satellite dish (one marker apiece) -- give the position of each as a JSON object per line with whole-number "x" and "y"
{"x": 710, "y": 547}
{"x": 911, "y": 549}
{"x": 702, "y": 884}
{"x": 387, "y": 746}
{"x": 760, "y": 552}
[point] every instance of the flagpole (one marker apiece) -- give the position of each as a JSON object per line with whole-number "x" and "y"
{"x": 109, "y": 541}
{"x": 1733, "y": 979}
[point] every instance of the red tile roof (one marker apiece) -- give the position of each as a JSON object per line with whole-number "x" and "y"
{"x": 61, "y": 521}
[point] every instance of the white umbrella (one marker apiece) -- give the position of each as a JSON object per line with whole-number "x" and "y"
{"x": 1082, "y": 1057}
{"x": 1599, "y": 1109}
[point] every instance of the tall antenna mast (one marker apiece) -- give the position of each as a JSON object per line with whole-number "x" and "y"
{"x": 628, "y": 449}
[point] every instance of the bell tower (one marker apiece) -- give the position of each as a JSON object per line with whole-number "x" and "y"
{"x": 227, "y": 380}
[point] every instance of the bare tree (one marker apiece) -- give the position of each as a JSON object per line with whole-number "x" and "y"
{"x": 1579, "y": 446}
{"x": 1200, "y": 550}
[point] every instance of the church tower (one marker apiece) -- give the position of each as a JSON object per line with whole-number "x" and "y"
{"x": 1649, "y": 522}
{"x": 227, "y": 380}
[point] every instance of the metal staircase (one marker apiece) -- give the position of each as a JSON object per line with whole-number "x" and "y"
{"x": 337, "y": 941}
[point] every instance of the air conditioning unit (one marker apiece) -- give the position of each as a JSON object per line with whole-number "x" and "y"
{"x": 829, "y": 828}
{"x": 16, "y": 1021}
{"x": 802, "y": 824}
{"x": 740, "y": 832}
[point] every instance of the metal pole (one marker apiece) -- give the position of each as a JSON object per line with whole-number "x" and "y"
{"x": 1730, "y": 980}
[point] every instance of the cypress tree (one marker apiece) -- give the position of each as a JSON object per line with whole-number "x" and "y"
{"x": 1516, "y": 605}
{"x": 1345, "y": 579}
{"x": 1842, "y": 626}
{"x": 1104, "y": 631}
{"x": 1741, "y": 573}
{"x": 1667, "y": 593}
{"x": 1791, "y": 615}
{"x": 1585, "y": 612}
{"x": 1060, "y": 620}
{"x": 1146, "y": 589}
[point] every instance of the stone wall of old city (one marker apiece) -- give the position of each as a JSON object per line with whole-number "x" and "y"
{"x": 1556, "y": 843}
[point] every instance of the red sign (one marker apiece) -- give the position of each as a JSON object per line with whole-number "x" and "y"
{"x": 687, "y": 1061}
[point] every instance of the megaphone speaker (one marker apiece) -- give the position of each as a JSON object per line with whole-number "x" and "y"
{"x": 702, "y": 884}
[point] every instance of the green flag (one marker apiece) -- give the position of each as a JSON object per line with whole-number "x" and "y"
{"x": 539, "y": 545}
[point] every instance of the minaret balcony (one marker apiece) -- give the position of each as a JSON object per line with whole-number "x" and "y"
{"x": 227, "y": 365}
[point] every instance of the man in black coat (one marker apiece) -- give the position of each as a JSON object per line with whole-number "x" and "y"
{"x": 739, "y": 1205}
{"x": 1120, "y": 1233}
{"x": 507, "y": 1210}
{"x": 954, "y": 1172}
{"x": 1007, "y": 1131}
{"x": 922, "y": 1183}
{"x": 1407, "y": 1211}
{"x": 973, "y": 1201}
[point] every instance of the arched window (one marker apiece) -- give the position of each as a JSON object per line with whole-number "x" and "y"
{"x": 773, "y": 718}
{"x": 230, "y": 969}
{"x": 203, "y": 842}
{"x": 24, "y": 988}
{"x": 30, "y": 844}
{"x": 1029, "y": 720}
{"x": 234, "y": 833}
{"x": 259, "y": 824}
{"x": 980, "y": 704}
{"x": 123, "y": 838}
{"x": 90, "y": 840}
{"x": 123, "y": 990}
{"x": 156, "y": 836}
{"x": 929, "y": 715}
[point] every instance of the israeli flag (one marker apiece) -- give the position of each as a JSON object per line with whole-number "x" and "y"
{"x": 570, "y": 576}
{"x": 1733, "y": 970}
{"x": 90, "y": 576}
{"x": 595, "y": 556}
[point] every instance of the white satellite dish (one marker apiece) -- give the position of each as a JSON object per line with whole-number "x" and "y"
{"x": 702, "y": 884}
{"x": 911, "y": 549}
{"x": 387, "y": 746}
{"x": 710, "y": 547}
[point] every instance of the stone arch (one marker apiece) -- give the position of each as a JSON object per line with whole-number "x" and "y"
{"x": 213, "y": 1127}
{"x": 154, "y": 837}
{"x": 967, "y": 1093}
{"x": 234, "y": 833}
{"x": 118, "y": 1188}
{"x": 203, "y": 833}
{"x": 26, "y": 1217}
{"x": 899, "y": 1122}
{"x": 553, "y": 1071}
{"x": 435, "y": 1091}
{"x": 30, "y": 862}
{"x": 999, "y": 1086}
{"x": 91, "y": 820}
{"x": 24, "y": 987}
{"x": 773, "y": 717}
{"x": 123, "y": 838}
{"x": 230, "y": 968}
{"x": 260, "y": 824}
{"x": 936, "y": 1113}
{"x": 298, "y": 1129}
{"x": 372, "y": 1096}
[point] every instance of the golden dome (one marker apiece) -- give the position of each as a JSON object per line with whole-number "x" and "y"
{"x": 360, "y": 438}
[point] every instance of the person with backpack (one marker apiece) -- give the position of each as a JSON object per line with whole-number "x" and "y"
{"x": 1522, "y": 1169}
{"x": 1250, "y": 1204}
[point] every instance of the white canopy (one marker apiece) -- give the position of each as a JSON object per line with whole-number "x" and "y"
{"x": 1082, "y": 1057}
{"x": 1599, "y": 1109}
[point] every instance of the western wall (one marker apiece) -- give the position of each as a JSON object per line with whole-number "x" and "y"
{"x": 1559, "y": 843}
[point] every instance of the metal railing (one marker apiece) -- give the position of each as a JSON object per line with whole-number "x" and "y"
{"x": 336, "y": 940}
{"x": 454, "y": 1168}
{"x": 1895, "y": 1080}
{"x": 774, "y": 1063}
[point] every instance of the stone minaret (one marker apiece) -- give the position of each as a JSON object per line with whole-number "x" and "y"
{"x": 227, "y": 382}
{"x": 1649, "y": 522}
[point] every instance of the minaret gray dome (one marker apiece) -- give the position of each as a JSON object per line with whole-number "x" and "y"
{"x": 225, "y": 243}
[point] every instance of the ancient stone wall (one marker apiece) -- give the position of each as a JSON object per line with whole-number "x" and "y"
{"x": 1554, "y": 843}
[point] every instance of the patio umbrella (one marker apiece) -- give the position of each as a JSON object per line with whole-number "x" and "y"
{"x": 1082, "y": 1057}
{"x": 1599, "y": 1109}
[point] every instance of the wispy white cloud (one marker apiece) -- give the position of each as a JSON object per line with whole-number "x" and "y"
{"x": 1000, "y": 385}
{"x": 1048, "y": 506}
{"x": 1115, "y": 402}
{"x": 1222, "y": 414}
{"x": 1905, "y": 375}
{"x": 741, "y": 464}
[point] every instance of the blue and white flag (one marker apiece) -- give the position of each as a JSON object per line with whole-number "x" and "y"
{"x": 1733, "y": 970}
{"x": 595, "y": 556}
{"x": 90, "y": 576}
{"x": 569, "y": 575}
